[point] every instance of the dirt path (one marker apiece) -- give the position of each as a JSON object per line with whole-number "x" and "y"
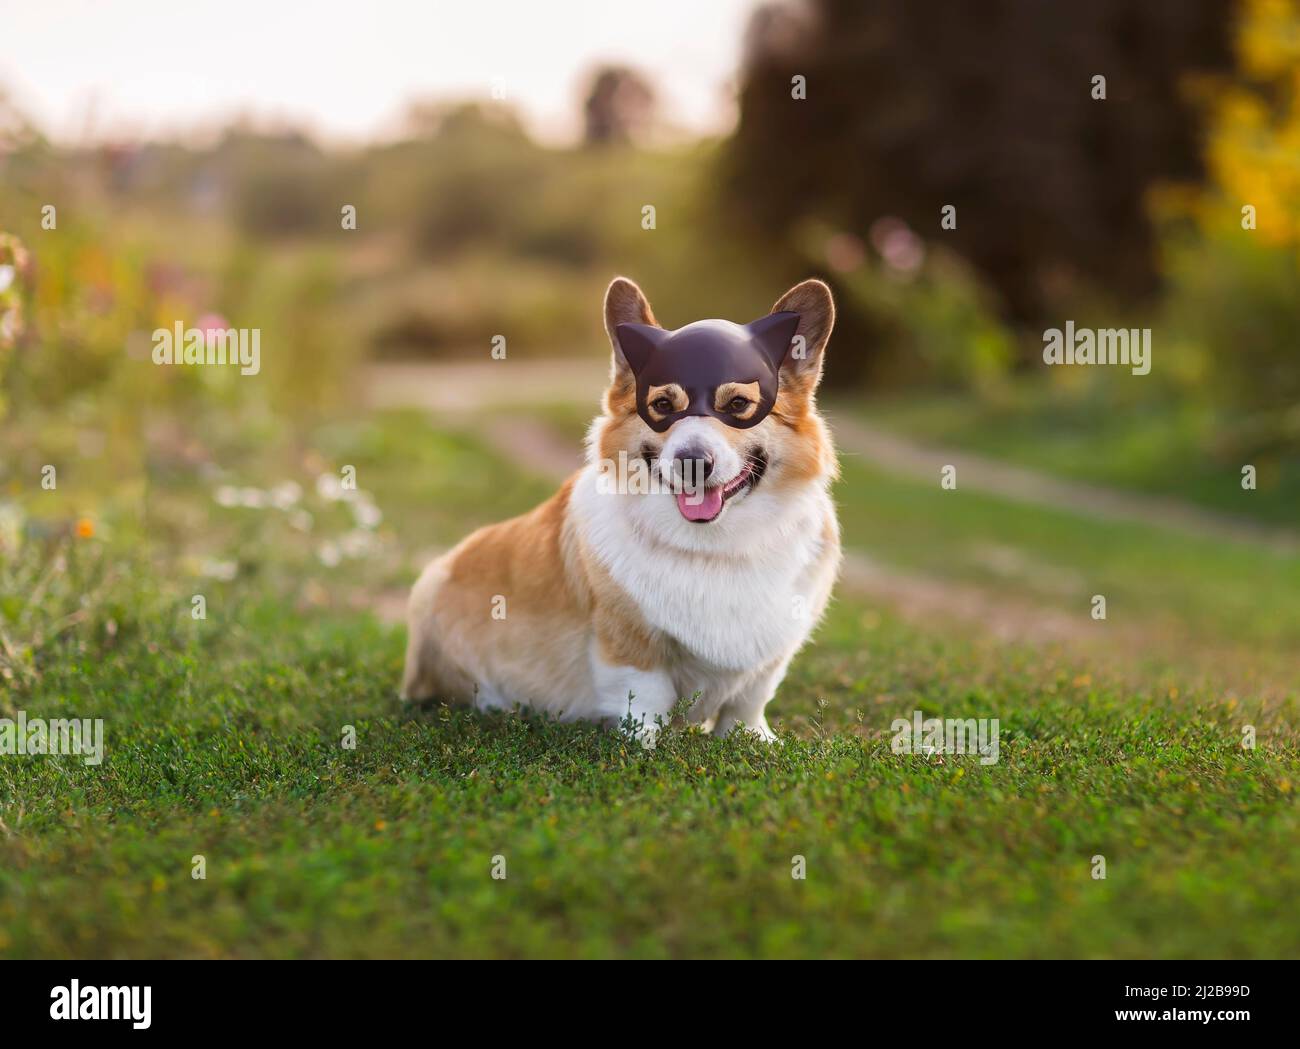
{"x": 533, "y": 444}
{"x": 902, "y": 456}
{"x": 455, "y": 388}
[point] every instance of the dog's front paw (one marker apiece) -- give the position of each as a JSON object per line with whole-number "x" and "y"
{"x": 762, "y": 730}
{"x": 759, "y": 729}
{"x": 640, "y": 731}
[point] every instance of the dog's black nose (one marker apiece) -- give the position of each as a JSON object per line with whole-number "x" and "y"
{"x": 693, "y": 465}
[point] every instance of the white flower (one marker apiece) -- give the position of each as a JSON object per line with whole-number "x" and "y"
{"x": 357, "y": 543}
{"x": 330, "y": 488}
{"x": 366, "y": 514}
{"x": 286, "y": 494}
{"x": 218, "y": 569}
{"x": 11, "y": 526}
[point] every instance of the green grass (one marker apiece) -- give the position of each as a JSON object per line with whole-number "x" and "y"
{"x": 224, "y": 740}
{"x": 1152, "y": 578}
{"x": 1113, "y": 434}
{"x": 228, "y": 745}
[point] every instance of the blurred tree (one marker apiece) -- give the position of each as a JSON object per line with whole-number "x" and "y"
{"x": 277, "y": 181}
{"x": 619, "y": 106}
{"x": 1234, "y": 280}
{"x": 479, "y": 170}
{"x": 916, "y": 104}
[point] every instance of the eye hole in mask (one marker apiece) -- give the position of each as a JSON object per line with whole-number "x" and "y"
{"x": 712, "y": 367}
{"x": 739, "y": 400}
{"x": 663, "y": 401}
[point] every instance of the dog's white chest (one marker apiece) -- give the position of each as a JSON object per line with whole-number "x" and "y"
{"x": 730, "y": 612}
{"x": 730, "y": 618}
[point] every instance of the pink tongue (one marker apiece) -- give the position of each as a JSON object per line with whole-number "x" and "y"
{"x": 700, "y": 506}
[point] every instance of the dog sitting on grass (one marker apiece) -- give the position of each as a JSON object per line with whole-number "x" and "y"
{"x": 611, "y": 601}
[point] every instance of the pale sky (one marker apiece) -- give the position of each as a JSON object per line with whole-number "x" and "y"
{"x": 345, "y": 70}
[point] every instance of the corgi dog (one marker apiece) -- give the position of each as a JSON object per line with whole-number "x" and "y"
{"x": 610, "y": 602}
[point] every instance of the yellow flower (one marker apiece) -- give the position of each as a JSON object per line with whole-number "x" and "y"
{"x": 85, "y": 528}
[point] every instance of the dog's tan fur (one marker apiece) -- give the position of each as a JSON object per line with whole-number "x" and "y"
{"x": 561, "y": 603}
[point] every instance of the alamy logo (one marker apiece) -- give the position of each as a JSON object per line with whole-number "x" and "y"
{"x": 209, "y": 345}
{"x": 71, "y": 736}
{"x": 946, "y": 736}
{"x": 1130, "y": 346}
{"x": 628, "y": 476}
{"x": 102, "y": 1003}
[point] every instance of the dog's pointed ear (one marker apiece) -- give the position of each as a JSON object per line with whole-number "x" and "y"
{"x": 774, "y": 334}
{"x": 630, "y": 325}
{"x": 801, "y": 370}
{"x": 637, "y": 342}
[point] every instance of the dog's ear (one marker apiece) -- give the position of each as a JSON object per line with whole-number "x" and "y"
{"x": 630, "y": 325}
{"x": 802, "y": 368}
{"x": 774, "y": 334}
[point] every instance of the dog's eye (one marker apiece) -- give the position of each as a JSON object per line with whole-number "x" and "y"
{"x": 738, "y": 404}
{"x": 662, "y": 405}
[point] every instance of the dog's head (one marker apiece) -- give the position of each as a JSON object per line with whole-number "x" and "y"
{"x": 722, "y": 416}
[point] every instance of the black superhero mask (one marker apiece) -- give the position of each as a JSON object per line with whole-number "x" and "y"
{"x": 702, "y": 357}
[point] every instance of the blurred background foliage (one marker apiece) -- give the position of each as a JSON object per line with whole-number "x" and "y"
{"x": 1118, "y": 212}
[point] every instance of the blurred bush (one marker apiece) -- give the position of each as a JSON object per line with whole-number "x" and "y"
{"x": 934, "y": 321}
{"x": 1234, "y": 275}
{"x": 15, "y": 268}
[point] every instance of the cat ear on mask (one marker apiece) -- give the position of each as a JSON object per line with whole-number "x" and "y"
{"x": 638, "y": 342}
{"x": 773, "y": 334}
